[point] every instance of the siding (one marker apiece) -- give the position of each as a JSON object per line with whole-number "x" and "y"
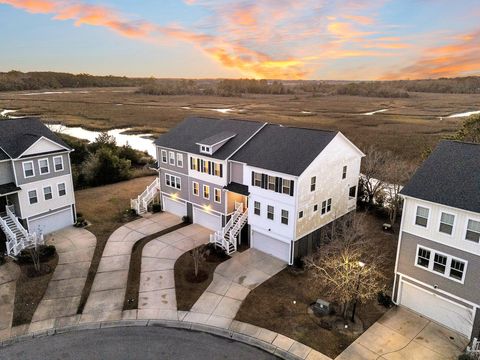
{"x": 167, "y": 166}
{"x": 406, "y": 265}
{"x": 20, "y": 175}
{"x": 199, "y": 200}
{"x": 6, "y": 172}
{"x": 236, "y": 172}
{"x": 183, "y": 192}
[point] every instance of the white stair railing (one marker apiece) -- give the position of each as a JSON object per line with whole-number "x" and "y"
{"x": 140, "y": 204}
{"x": 232, "y": 228}
{"x": 474, "y": 349}
{"x": 19, "y": 226}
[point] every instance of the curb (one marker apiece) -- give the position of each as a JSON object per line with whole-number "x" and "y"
{"x": 177, "y": 324}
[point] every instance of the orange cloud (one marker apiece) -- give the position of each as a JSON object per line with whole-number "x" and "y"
{"x": 362, "y": 20}
{"x": 33, "y": 6}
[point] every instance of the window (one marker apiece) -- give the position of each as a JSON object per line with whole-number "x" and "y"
{"x": 326, "y": 206}
{"x": 270, "y": 212}
{"x": 195, "y": 188}
{"x": 271, "y": 183}
{"x": 206, "y": 191}
{"x": 172, "y": 158}
{"x": 164, "y": 156}
{"x": 194, "y": 164}
{"x": 286, "y": 184}
{"x": 423, "y": 258}
{"x": 217, "y": 169}
{"x": 285, "y": 217}
{"x": 43, "y": 165}
{"x": 422, "y": 216}
{"x": 32, "y": 196}
{"x": 457, "y": 269}
{"x": 352, "y": 192}
{"x": 28, "y": 169}
{"x": 473, "y": 231}
{"x": 300, "y": 214}
{"x": 344, "y": 172}
{"x": 217, "y": 195}
{"x": 439, "y": 263}
{"x": 446, "y": 223}
{"x": 47, "y": 192}
{"x": 257, "y": 179}
{"x": 256, "y": 208}
{"x": 179, "y": 160}
{"x": 173, "y": 181}
{"x": 313, "y": 181}
{"x": 205, "y": 149}
{"x": 205, "y": 167}
{"x": 315, "y": 208}
{"x": 58, "y": 163}
{"x": 329, "y": 205}
{"x": 62, "y": 191}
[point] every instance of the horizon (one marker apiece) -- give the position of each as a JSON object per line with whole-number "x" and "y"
{"x": 357, "y": 40}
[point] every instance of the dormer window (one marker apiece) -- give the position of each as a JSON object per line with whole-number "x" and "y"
{"x": 205, "y": 149}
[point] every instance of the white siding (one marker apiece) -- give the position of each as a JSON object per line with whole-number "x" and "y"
{"x": 42, "y": 146}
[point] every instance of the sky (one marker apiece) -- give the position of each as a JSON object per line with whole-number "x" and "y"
{"x": 273, "y": 39}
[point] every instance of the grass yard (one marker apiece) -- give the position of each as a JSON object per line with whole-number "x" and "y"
{"x": 104, "y": 207}
{"x": 280, "y": 304}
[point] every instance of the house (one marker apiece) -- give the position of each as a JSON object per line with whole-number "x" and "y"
{"x": 269, "y": 186}
{"x": 437, "y": 272}
{"x": 36, "y": 188}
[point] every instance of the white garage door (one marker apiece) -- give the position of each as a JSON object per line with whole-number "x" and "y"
{"x": 52, "y": 222}
{"x": 437, "y": 308}
{"x": 271, "y": 246}
{"x": 209, "y": 220}
{"x": 175, "y": 207}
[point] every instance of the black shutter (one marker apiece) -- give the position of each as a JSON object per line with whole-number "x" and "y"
{"x": 191, "y": 163}
{"x": 264, "y": 181}
{"x": 253, "y": 178}
{"x": 221, "y": 170}
{"x": 291, "y": 187}
{"x": 201, "y": 165}
{"x": 198, "y": 164}
{"x": 278, "y": 187}
{"x": 210, "y": 170}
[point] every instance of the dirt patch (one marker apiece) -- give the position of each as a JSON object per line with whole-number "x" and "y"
{"x": 30, "y": 289}
{"x": 188, "y": 288}
{"x": 135, "y": 267}
{"x": 281, "y": 303}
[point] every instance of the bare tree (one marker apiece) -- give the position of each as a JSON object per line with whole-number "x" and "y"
{"x": 373, "y": 169}
{"x": 199, "y": 255}
{"x": 348, "y": 268}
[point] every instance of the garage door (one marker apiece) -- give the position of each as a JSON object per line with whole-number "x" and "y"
{"x": 437, "y": 308}
{"x": 271, "y": 246}
{"x": 52, "y": 222}
{"x": 209, "y": 220}
{"x": 175, "y": 207}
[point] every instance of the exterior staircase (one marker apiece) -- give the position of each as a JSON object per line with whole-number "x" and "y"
{"x": 140, "y": 204}
{"x": 18, "y": 238}
{"x": 228, "y": 236}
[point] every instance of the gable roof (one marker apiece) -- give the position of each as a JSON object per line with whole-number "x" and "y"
{"x": 193, "y": 130}
{"x": 288, "y": 150}
{"x": 17, "y": 135}
{"x": 450, "y": 176}
{"x": 217, "y": 138}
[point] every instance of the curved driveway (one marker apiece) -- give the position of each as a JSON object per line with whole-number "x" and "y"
{"x": 132, "y": 343}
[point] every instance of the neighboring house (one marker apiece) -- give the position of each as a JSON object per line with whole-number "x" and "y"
{"x": 437, "y": 271}
{"x": 285, "y": 183}
{"x": 36, "y": 188}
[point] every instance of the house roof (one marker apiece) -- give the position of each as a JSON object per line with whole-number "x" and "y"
{"x": 450, "y": 176}
{"x": 8, "y": 188}
{"x": 217, "y": 138}
{"x": 237, "y": 188}
{"x": 17, "y": 135}
{"x": 288, "y": 150}
{"x": 194, "y": 130}
{"x": 3, "y": 156}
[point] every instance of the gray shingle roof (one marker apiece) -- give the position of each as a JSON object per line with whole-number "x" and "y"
{"x": 17, "y": 135}
{"x": 193, "y": 130}
{"x": 287, "y": 150}
{"x": 215, "y": 139}
{"x": 450, "y": 176}
{"x": 8, "y": 188}
{"x": 3, "y": 156}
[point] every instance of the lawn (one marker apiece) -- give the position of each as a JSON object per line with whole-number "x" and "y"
{"x": 281, "y": 303}
{"x": 105, "y": 208}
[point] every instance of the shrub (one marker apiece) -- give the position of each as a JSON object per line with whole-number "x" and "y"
{"x": 186, "y": 219}
{"x": 105, "y": 167}
{"x": 384, "y": 299}
{"x": 45, "y": 253}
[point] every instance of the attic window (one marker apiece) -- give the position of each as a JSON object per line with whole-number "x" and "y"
{"x": 205, "y": 149}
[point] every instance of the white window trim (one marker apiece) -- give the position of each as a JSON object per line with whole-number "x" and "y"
{"x": 215, "y": 195}
{"x": 288, "y": 187}
{"x": 36, "y": 195}
{"x": 466, "y": 229}
{"x": 164, "y": 152}
{"x": 51, "y": 192}
{"x": 428, "y": 219}
{"x": 283, "y": 217}
{"x": 440, "y": 222}
{"x": 259, "y": 208}
{"x": 270, "y": 183}
{"x": 40, "y": 168}
{"x": 272, "y": 212}
{"x": 255, "y": 179}
{"x": 176, "y": 180}
{"x": 171, "y": 158}
{"x": 344, "y": 172}
{"x": 203, "y": 192}
{"x": 313, "y": 183}
{"x": 447, "y": 266}
{"x": 180, "y": 160}
{"x": 58, "y": 189}
{"x": 33, "y": 169}
{"x": 55, "y": 166}
{"x": 193, "y": 188}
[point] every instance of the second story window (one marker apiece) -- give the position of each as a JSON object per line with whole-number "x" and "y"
{"x": 352, "y": 192}
{"x": 218, "y": 169}
{"x": 195, "y": 188}
{"x": 271, "y": 183}
{"x": 58, "y": 163}
{"x": 173, "y": 181}
{"x": 179, "y": 160}
{"x": 270, "y": 212}
{"x": 457, "y": 269}
{"x": 62, "y": 190}
{"x": 326, "y": 206}
{"x": 217, "y": 195}
{"x": 28, "y": 169}
{"x": 206, "y": 192}
{"x": 256, "y": 208}
{"x": 286, "y": 184}
{"x": 164, "y": 156}
{"x": 300, "y": 214}
{"x": 423, "y": 257}
{"x": 47, "y": 192}
{"x": 421, "y": 218}
{"x": 171, "y": 155}
{"x": 446, "y": 223}
{"x": 32, "y": 197}
{"x": 257, "y": 179}
{"x": 43, "y": 165}
{"x": 313, "y": 182}
{"x": 285, "y": 217}
{"x": 473, "y": 231}
{"x": 441, "y": 264}
{"x": 344, "y": 172}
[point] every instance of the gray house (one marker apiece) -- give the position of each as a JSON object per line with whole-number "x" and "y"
{"x": 36, "y": 188}
{"x": 437, "y": 270}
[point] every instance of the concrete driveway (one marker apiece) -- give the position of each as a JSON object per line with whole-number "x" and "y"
{"x": 232, "y": 282}
{"x": 402, "y": 334}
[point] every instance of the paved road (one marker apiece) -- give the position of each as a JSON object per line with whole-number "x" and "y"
{"x": 131, "y": 343}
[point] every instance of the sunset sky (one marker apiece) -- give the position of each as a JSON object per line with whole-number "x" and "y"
{"x": 302, "y": 39}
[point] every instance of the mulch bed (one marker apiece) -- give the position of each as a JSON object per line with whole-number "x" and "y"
{"x": 31, "y": 287}
{"x": 189, "y": 288}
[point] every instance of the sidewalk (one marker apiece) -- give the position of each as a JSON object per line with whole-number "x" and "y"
{"x": 9, "y": 273}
